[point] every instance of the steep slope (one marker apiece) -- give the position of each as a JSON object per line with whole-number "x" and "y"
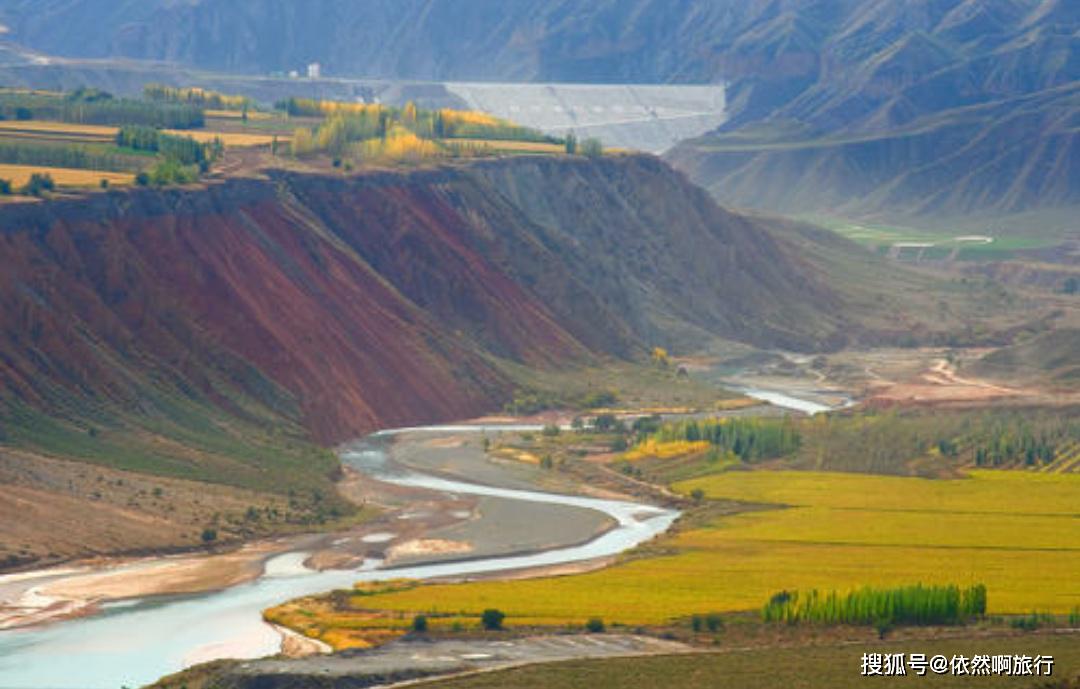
{"x": 341, "y": 305}
{"x": 1051, "y": 359}
{"x": 223, "y": 333}
{"x": 1010, "y": 156}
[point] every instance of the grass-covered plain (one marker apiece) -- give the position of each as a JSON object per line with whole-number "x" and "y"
{"x": 984, "y": 244}
{"x": 1016, "y": 532}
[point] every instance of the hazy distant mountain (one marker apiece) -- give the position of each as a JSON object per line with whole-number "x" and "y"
{"x": 864, "y": 104}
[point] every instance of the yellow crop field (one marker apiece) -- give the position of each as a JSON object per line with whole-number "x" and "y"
{"x": 1016, "y": 532}
{"x": 19, "y": 175}
{"x": 230, "y": 139}
{"x": 59, "y": 128}
{"x": 650, "y": 447}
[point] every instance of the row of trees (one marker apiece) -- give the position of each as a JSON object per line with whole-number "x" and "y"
{"x": 65, "y": 155}
{"x": 1015, "y": 440}
{"x": 888, "y": 441}
{"x": 346, "y": 123}
{"x": 200, "y": 97}
{"x": 749, "y": 439}
{"x": 183, "y": 149}
{"x": 912, "y": 605}
{"x": 98, "y": 108}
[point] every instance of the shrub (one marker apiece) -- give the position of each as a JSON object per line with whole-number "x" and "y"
{"x": 605, "y": 422}
{"x": 39, "y": 184}
{"x": 492, "y": 619}
{"x": 550, "y": 430}
{"x": 714, "y": 622}
{"x": 5, "y": 187}
{"x": 592, "y": 148}
{"x": 170, "y": 171}
{"x": 420, "y": 624}
{"x": 209, "y": 535}
{"x": 595, "y": 626}
{"x": 601, "y": 398}
{"x": 1030, "y": 623}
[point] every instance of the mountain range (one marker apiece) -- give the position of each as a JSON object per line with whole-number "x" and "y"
{"x": 921, "y": 109}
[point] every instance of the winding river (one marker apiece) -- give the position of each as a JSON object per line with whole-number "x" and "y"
{"x": 135, "y": 642}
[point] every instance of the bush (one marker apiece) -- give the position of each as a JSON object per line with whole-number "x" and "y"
{"x": 172, "y": 172}
{"x": 209, "y": 535}
{"x": 420, "y": 624}
{"x": 5, "y": 187}
{"x": 602, "y": 398}
{"x": 713, "y": 622}
{"x": 39, "y": 184}
{"x": 605, "y": 422}
{"x": 595, "y": 626}
{"x": 550, "y": 430}
{"x": 1031, "y": 622}
{"x": 142, "y": 179}
{"x": 492, "y": 619}
{"x": 592, "y": 148}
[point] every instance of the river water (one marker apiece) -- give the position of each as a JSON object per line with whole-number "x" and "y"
{"x": 132, "y": 643}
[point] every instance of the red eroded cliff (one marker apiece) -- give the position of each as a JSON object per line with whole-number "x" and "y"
{"x": 347, "y": 304}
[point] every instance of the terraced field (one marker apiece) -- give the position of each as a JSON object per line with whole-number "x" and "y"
{"x": 19, "y": 175}
{"x": 1017, "y": 532}
{"x": 40, "y": 130}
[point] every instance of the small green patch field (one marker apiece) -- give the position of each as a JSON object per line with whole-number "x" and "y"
{"x": 911, "y": 243}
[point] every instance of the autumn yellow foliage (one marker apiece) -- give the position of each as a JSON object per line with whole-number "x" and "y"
{"x": 399, "y": 144}
{"x": 650, "y": 447}
{"x": 482, "y": 119}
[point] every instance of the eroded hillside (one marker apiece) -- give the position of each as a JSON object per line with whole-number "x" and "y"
{"x": 222, "y": 333}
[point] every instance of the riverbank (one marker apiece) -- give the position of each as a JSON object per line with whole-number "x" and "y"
{"x": 179, "y": 630}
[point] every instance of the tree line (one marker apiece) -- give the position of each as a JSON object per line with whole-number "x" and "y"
{"x": 750, "y": 439}
{"x": 71, "y": 155}
{"x": 97, "y": 107}
{"x": 193, "y": 95}
{"x": 183, "y": 149}
{"x": 909, "y": 605}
